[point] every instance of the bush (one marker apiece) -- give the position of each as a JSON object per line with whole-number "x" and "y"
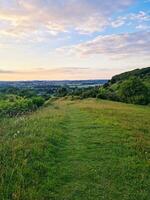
{"x": 15, "y": 105}
{"x": 102, "y": 93}
{"x": 89, "y": 92}
{"x": 62, "y": 92}
{"x": 134, "y": 91}
{"x": 38, "y": 101}
{"x": 21, "y": 106}
{"x": 105, "y": 93}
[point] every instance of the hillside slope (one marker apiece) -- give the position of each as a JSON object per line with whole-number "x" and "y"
{"x": 143, "y": 74}
{"x": 129, "y": 87}
{"x": 77, "y": 150}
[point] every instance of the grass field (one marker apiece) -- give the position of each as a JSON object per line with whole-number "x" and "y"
{"x": 77, "y": 150}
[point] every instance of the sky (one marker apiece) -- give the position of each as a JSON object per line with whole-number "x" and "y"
{"x": 73, "y": 39}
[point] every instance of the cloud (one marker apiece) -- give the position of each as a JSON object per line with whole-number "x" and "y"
{"x": 143, "y": 27}
{"x": 43, "y": 70}
{"x": 70, "y": 73}
{"x": 137, "y": 19}
{"x": 58, "y": 70}
{"x": 7, "y": 71}
{"x": 25, "y": 17}
{"x": 141, "y": 16}
{"x": 118, "y": 22}
{"x": 114, "y": 46}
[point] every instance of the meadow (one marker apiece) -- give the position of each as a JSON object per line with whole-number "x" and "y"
{"x": 88, "y": 149}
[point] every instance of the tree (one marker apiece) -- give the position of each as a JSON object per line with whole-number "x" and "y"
{"x": 62, "y": 92}
{"x": 38, "y": 101}
{"x": 133, "y": 91}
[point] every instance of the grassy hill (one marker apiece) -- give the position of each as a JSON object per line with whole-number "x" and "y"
{"x": 130, "y": 87}
{"x": 143, "y": 74}
{"x": 77, "y": 150}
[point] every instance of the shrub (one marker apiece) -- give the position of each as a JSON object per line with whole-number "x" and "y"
{"x": 105, "y": 93}
{"x": 14, "y": 105}
{"x": 62, "y": 92}
{"x": 133, "y": 91}
{"x": 38, "y": 101}
{"x": 89, "y": 93}
{"x": 102, "y": 93}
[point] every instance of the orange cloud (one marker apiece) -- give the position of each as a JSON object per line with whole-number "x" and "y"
{"x": 73, "y": 73}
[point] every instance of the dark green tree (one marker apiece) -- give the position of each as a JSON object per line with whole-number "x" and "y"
{"x": 133, "y": 91}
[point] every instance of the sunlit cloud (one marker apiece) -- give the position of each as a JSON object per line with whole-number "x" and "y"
{"x": 138, "y": 19}
{"x": 72, "y": 73}
{"x": 2, "y": 71}
{"x": 26, "y": 17}
{"x": 115, "y": 46}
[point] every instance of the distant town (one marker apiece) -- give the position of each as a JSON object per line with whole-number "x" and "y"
{"x": 40, "y": 84}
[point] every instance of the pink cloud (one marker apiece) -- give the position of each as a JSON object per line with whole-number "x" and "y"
{"x": 25, "y": 17}
{"x": 115, "y": 46}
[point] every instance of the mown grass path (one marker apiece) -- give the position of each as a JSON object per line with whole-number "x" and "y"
{"x": 77, "y": 150}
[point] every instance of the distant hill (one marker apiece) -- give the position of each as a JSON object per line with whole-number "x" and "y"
{"x": 130, "y": 87}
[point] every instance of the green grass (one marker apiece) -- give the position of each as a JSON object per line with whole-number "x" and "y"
{"x": 77, "y": 150}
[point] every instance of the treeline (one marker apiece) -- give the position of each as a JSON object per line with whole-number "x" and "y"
{"x": 132, "y": 91}
{"x": 130, "y": 87}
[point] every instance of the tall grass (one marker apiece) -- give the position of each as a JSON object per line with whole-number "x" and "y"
{"x": 72, "y": 150}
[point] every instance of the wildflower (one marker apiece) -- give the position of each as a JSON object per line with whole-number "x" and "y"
{"x": 15, "y": 135}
